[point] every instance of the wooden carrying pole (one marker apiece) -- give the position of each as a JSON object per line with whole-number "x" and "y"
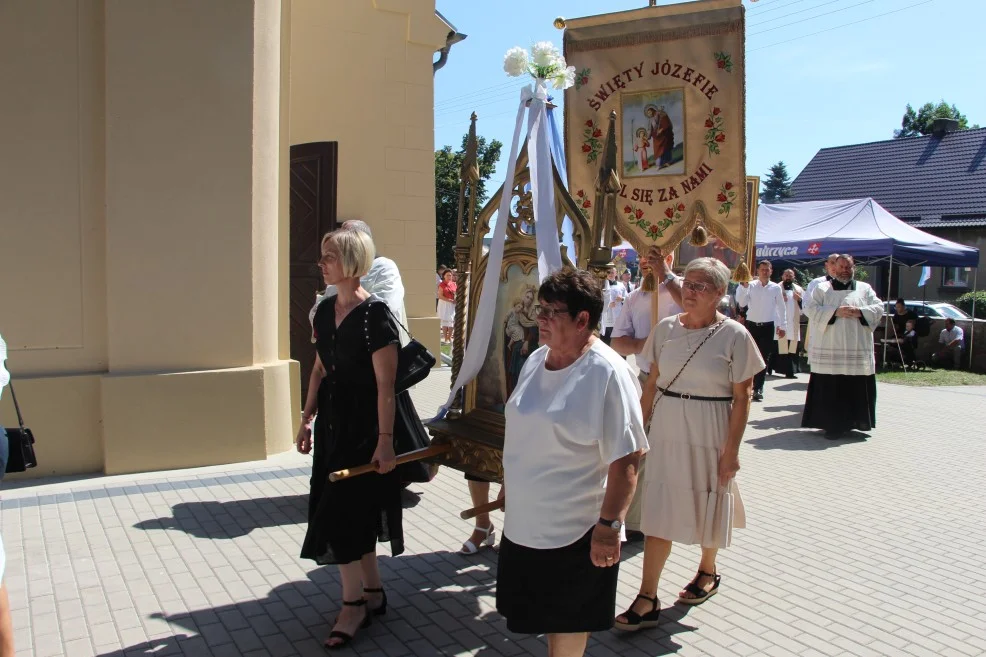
{"x": 409, "y": 457}
{"x": 481, "y": 509}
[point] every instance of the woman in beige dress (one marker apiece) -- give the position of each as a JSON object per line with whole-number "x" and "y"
{"x": 698, "y": 392}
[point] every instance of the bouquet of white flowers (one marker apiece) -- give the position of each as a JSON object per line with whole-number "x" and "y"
{"x": 543, "y": 63}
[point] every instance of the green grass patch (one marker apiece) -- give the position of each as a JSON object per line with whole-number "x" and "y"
{"x": 933, "y": 378}
{"x": 447, "y": 350}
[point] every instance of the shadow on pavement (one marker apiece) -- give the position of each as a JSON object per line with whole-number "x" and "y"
{"x": 440, "y": 603}
{"x": 790, "y": 420}
{"x": 801, "y": 384}
{"x": 216, "y": 520}
{"x": 804, "y": 440}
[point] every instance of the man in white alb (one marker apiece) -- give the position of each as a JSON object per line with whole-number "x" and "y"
{"x": 787, "y": 347}
{"x": 765, "y": 317}
{"x": 842, "y": 389}
{"x": 630, "y": 335}
{"x": 614, "y": 294}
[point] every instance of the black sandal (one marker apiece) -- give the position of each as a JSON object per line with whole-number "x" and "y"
{"x": 348, "y": 638}
{"x": 637, "y": 622}
{"x": 382, "y": 609}
{"x": 701, "y": 595}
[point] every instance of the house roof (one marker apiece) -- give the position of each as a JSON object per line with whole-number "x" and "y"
{"x": 916, "y": 178}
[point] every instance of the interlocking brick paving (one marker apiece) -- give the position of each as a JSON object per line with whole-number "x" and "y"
{"x": 868, "y": 546}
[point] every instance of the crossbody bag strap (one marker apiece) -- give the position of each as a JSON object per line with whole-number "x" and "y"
{"x": 20, "y": 418}
{"x": 660, "y": 393}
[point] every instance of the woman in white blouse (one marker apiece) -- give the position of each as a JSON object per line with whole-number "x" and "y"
{"x": 574, "y": 436}
{"x": 698, "y": 396}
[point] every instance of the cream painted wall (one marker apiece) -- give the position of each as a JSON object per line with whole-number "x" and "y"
{"x": 141, "y": 231}
{"x": 52, "y": 249}
{"x": 361, "y": 75}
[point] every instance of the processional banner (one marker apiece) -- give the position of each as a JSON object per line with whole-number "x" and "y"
{"x": 675, "y": 76}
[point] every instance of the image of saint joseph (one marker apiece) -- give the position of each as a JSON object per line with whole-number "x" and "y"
{"x": 661, "y": 134}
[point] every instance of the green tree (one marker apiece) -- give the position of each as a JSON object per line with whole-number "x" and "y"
{"x": 915, "y": 124}
{"x": 447, "y": 166}
{"x": 778, "y": 185}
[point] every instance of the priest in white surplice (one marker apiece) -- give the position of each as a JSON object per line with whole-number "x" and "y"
{"x": 842, "y": 389}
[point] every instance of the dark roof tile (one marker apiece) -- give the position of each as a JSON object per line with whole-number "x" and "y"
{"x": 916, "y": 177}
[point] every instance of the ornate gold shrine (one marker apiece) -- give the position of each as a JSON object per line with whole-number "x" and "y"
{"x": 473, "y": 428}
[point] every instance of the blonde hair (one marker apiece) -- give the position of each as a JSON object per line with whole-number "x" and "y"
{"x": 356, "y": 251}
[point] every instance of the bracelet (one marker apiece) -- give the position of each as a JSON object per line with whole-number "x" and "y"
{"x": 384, "y": 434}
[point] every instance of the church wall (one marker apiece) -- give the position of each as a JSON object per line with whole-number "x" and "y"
{"x": 361, "y": 75}
{"x": 141, "y": 229}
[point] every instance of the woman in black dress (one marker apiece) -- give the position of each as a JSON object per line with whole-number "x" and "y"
{"x": 357, "y": 342}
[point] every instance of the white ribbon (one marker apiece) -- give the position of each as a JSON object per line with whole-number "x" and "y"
{"x": 545, "y": 228}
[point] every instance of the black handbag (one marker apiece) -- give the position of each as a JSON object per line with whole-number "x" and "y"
{"x": 21, "y": 442}
{"x": 414, "y": 361}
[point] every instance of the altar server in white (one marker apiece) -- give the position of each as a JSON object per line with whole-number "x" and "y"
{"x": 842, "y": 389}
{"x": 787, "y": 347}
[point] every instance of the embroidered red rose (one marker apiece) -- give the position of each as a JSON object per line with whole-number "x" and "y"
{"x": 580, "y": 193}
{"x": 681, "y": 207}
{"x": 728, "y": 185}
{"x": 597, "y": 133}
{"x": 627, "y": 210}
{"x": 654, "y": 228}
{"x": 584, "y": 81}
{"x": 721, "y": 63}
{"x": 721, "y": 198}
{"x": 586, "y": 148}
{"x": 639, "y": 213}
{"x": 716, "y": 111}
{"x": 588, "y": 123}
{"x": 720, "y": 137}
{"x": 708, "y": 123}
{"x": 587, "y": 203}
{"x": 669, "y": 213}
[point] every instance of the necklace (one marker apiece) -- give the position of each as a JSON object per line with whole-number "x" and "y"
{"x": 694, "y": 336}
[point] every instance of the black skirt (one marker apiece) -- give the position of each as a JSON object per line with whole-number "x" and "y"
{"x": 840, "y": 402}
{"x": 554, "y": 591}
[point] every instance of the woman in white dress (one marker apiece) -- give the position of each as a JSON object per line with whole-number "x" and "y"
{"x": 699, "y": 389}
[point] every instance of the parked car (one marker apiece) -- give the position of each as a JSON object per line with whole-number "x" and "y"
{"x": 933, "y": 309}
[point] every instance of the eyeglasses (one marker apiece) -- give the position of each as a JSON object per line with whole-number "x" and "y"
{"x": 547, "y": 312}
{"x": 695, "y": 287}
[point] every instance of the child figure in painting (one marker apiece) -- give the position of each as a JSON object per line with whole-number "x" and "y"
{"x": 514, "y": 331}
{"x": 641, "y": 148}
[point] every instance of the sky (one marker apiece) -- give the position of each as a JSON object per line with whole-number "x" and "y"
{"x": 820, "y": 73}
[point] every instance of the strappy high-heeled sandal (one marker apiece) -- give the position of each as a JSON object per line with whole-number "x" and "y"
{"x": 381, "y": 609}
{"x": 701, "y": 595}
{"x": 470, "y": 548}
{"x": 635, "y": 621}
{"x": 346, "y": 639}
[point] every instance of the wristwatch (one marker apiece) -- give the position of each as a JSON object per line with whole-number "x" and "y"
{"x": 616, "y": 525}
{"x": 670, "y": 277}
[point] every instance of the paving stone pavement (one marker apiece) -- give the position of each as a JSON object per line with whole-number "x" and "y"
{"x": 854, "y": 547}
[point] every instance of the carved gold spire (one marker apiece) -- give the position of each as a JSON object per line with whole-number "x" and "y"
{"x": 604, "y": 217}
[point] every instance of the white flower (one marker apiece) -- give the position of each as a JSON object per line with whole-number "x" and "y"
{"x": 545, "y": 54}
{"x": 565, "y": 77}
{"x": 515, "y": 62}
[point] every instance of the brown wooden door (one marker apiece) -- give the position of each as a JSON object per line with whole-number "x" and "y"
{"x": 313, "y": 213}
